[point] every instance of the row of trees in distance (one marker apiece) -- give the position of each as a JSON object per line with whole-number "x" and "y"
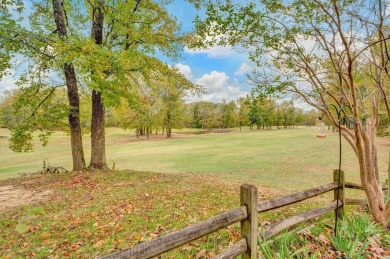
{"x": 162, "y": 112}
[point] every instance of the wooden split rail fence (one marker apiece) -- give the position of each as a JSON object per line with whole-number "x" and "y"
{"x": 247, "y": 215}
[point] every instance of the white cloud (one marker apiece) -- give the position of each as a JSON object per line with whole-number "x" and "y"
{"x": 185, "y": 70}
{"x": 8, "y": 82}
{"x": 244, "y": 68}
{"x": 387, "y": 8}
{"x": 217, "y": 87}
{"x": 214, "y": 40}
{"x": 309, "y": 44}
{"x": 212, "y": 52}
{"x": 214, "y": 82}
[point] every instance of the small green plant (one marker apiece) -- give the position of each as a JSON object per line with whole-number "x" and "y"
{"x": 361, "y": 226}
{"x": 23, "y": 226}
{"x": 280, "y": 247}
{"x": 348, "y": 246}
{"x": 352, "y": 234}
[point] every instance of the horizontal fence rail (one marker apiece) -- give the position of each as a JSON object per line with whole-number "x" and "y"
{"x": 233, "y": 251}
{"x": 247, "y": 215}
{"x": 360, "y": 187}
{"x": 291, "y": 221}
{"x": 358, "y": 202}
{"x": 266, "y": 205}
{"x": 356, "y": 186}
{"x": 180, "y": 237}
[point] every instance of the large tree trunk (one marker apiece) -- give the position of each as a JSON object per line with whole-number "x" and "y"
{"x": 98, "y": 145}
{"x": 98, "y": 151}
{"x": 73, "y": 95}
{"x": 369, "y": 171}
{"x": 74, "y": 119}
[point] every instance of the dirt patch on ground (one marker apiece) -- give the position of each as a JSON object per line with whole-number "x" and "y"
{"x": 11, "y": 196}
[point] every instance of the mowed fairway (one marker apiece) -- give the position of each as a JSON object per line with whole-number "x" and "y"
{"x": 288, "y": 158}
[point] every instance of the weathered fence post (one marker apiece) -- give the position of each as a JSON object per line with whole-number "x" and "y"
{"x": 249, "y": 226}
{"x": 341, "y": 195}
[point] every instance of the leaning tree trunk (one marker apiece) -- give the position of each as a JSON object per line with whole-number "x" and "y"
{"x": 369, "y": 172}
{"x": 73, "y": 95}
{"x": 98, "y": 145}
{"x": 74, "y": 119}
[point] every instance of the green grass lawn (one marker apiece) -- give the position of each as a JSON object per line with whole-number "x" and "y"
{"x": 289, "y": 159}
{"x": 171, "y": 184}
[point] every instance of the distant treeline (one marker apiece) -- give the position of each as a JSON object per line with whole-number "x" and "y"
{"x": 162, "y": 115}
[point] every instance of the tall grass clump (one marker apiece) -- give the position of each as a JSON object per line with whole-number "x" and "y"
{"x": 352, "y": 235}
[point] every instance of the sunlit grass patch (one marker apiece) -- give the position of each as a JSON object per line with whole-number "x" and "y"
{"x": 286, "y": 159}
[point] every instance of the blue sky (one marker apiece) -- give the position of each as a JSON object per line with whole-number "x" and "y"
{"x": 220, "y": 69}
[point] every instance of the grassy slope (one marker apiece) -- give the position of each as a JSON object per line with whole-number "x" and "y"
{"x": 264, "y": 157}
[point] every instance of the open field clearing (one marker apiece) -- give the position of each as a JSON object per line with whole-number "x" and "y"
{"x": 89, "y": 214}
{"x": 287, "y": 159}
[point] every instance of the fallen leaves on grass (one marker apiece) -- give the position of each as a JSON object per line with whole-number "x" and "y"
{"x": 93, "y": 214}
